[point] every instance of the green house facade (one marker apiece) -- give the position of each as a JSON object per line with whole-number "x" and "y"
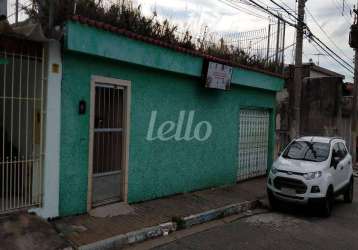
{"x": 137, "y": 122}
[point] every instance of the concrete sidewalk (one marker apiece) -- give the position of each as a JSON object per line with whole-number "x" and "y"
{"x": 159, "y": 217}
{"x": 28, "y": 232}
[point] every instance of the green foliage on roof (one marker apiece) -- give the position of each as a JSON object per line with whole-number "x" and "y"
{"x": 125, "y": 15}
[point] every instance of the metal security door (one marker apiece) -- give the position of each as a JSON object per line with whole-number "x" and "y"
{"x": 253, "y": 143}
{"x": 107, "y": 144}
{"x": 22, "y": 105}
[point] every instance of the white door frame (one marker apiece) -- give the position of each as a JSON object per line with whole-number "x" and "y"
{"x": 126, "y": 127}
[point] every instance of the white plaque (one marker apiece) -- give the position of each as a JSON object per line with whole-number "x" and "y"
{"x": 218, "y": 76}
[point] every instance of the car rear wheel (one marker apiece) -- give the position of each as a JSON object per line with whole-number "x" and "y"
{"x": 348, "y": 195}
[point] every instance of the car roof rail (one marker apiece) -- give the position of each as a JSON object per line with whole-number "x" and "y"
{"x": 335, "y": 138}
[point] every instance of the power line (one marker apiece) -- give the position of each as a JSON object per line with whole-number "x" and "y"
{"x": 273, "y": 14}
{"x": 18, "y": 11}
{"x": 325, "y": 33}
{"x": 289, "y": 13}
{"x": 288, "y": 7}
{"x": 242, "y": 9}
{"x": 281, "y": 50}
{"x": 255, "y": 7}
{"x": 328, "y": 54}
{"x": 339, "y": 9}
{"x": 313, "y": 37}
{"x": 318, "y": 41}
{"x": 328, "y": 57}
{"x": 343, "y": 8}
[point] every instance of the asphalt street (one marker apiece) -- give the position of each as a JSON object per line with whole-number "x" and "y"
{"x": 290, "y": 228}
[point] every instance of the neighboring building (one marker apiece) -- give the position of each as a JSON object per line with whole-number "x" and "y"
{"x": 30, "y": 85}
{"x": 128, "y": 119}
{"x": 321, "y": 106}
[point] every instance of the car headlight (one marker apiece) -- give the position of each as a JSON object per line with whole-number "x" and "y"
{"x": 312, "y": 175}
{"x": 273, "y": 170}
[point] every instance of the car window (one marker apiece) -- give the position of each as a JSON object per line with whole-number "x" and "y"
{"x": 336, "y": 152}
{"x": 343, "y": 149}
{"x": 307, "y": 151}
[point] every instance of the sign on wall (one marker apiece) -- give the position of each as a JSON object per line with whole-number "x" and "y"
{"x": 218, "y": 76}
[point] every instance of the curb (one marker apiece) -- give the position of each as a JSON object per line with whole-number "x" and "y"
{"x": 122, "y": 240}
{"x": 218, "y": 213}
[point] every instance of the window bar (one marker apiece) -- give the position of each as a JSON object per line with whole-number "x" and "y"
{"x": 26, "y": 132}
{"x": 22, "y": 180}
{"x": 11, "y": 126}
{"x": 97, "y": 135}
{"x": 105, "y": 135}
{"x": 113, "y": 134}
{"x": 108, "y": 159}
{"x": 18, "y": 181}
{"x": 34, "y": 156}
{"x": 10, "y": 187}
{"x": 100, "y": 166}
{"x": 41, "y": 129}
{"x": 102, "y": 134}
{"x": 29, "y": 191}
{"x": 97, "y": 126}
{"x": 120, "y": 121}
{"x": 7, "y": 184}
{"x": 95, "y": 138}
{"x": 19, "y": 132}
{"x": 98, "y": 149}
{"x": 3, "y": 138}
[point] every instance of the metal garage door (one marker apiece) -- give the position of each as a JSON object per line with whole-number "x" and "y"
{"x": 253, "y": 143}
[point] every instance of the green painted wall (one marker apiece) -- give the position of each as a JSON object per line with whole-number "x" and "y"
{"x": 155, "y": 168}
{"x": 165, "y": 81}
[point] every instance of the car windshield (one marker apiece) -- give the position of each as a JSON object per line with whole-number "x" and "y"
{"x": 307, "y": 151}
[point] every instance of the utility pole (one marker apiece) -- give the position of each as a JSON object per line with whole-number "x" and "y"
{"x": 354, "y": 111}
{"x": 51, "y": 16}
{"x": 16, "y": 11}
{"x": 295, "y": 124}
{"x": 268, "y": 43}
{"x": 353, "y": 41}
{"x": 283, "y": 47}
{"x": 277, "y": 43}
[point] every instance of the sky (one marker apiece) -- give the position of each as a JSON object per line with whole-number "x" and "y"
{"x": 219, "y": 17}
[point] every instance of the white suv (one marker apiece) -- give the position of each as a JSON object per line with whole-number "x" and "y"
{"x": 312, "y": 170}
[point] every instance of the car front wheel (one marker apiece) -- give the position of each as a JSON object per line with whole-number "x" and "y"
{"x": 273, "y": 202}
{"x": 327, "y": 203}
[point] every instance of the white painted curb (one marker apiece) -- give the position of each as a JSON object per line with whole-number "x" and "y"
{"x": 120, "y": 241}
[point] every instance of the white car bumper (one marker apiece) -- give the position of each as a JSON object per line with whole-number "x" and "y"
{"x": 295, "y": 188}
